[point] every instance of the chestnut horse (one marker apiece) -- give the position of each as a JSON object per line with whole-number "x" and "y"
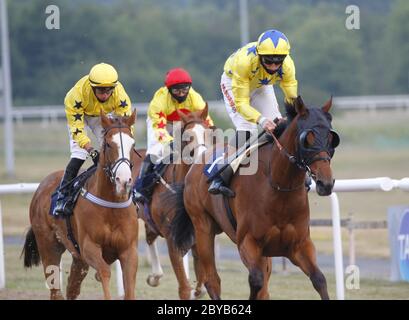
{"x": 105, "y": 229}
{"x": 270, "y": 209}
{"x": 161, "y": 214}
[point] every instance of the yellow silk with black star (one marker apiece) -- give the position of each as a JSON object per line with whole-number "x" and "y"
{"x": 162, "y": 110}
{"x": 81, "y": 100}
{"x": 247, "y": 74}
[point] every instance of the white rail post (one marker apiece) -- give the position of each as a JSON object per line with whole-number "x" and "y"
{"x": 2, "y": 269}
{"x": 336, "y": 232}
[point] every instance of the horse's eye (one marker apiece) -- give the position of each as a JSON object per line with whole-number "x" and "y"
{"x": 108, "y": 145}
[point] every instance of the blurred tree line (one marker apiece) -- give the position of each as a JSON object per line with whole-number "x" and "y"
{"x": 145, "y": 38}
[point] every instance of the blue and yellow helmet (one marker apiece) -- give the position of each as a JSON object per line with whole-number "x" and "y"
{"x": 273, "y": 42}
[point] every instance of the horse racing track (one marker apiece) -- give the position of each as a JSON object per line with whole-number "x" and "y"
{"x": 290, "y": 284}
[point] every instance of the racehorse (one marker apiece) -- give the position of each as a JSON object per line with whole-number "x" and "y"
{"x": 101, "y": 230}
{"x": 161, "y": 214}
{"x": 270, "y": 209}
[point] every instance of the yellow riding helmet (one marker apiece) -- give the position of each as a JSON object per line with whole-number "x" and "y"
{"x": 103, "y": 75}
{"x": 273, "y": 42}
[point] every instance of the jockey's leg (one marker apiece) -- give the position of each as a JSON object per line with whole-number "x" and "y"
{"x": 71, "y": 171}
{"x": 221, "y": 182}
{"x": 153, "y": 153}
{"x": 146, "y": 169}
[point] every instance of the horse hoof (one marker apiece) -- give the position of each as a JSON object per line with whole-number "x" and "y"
{"x": 197, "y": 293}
{"x": 97, "y": 277}
{"x": 153, "y": 280}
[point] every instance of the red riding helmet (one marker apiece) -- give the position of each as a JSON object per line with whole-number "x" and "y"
{"x": 177, "y": 76}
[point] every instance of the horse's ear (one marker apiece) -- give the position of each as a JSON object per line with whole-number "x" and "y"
{"x": 131, "y": 120}
{"x": 205, "y": 112}
{"x": 181, "y": 115}
{"x": 300, "y": 106}
{"x": 327, "y": 105}
{"x": 105, "y": 121}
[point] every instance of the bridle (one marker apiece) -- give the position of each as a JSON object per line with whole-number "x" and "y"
{"x": 111, "y": 168}
{"x": 302, "y": 162}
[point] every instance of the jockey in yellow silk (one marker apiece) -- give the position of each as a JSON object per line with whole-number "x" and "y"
{"x": 177, "y": 94}
{"x": 99, "y": 90}
{"x": 247, "y": 85}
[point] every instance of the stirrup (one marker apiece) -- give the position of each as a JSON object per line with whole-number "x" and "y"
{"x": 139, "y": 197}
{"x": 217, "y": 187}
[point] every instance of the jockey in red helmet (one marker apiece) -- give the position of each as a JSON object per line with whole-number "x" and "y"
{"x": 177, "y": 94}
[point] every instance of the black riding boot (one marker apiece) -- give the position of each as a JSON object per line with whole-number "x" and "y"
{"x": 141, "y": 195}
{"x": 61, "y": 207}
{"x": 221, "y": 182}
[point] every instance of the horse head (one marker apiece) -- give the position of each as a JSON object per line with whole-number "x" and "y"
{"x": 116, "y": 151}
{"x": 316, "y": 143}
{"x": 194, "y": 127}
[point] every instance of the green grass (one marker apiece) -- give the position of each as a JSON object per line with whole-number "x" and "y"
{"x": 292, "y": 285}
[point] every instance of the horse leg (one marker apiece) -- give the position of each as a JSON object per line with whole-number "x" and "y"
{"x": 185, "y": 290}
{"x": 205, "y": 250}
{"x": 78, "y": 272}
{"x": 305, "y": 258}
{"x": 50, "y": 251}
{"x": 93, "y": 256}
{"x": 129, "y": 265}
{"x": 259, "y": 268}
{"x": 157, "y": 273}
{"x": 200, "y": 290}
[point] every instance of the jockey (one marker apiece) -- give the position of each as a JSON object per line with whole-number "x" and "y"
{"x": 248, "y": 92}
{"x": 99, "y": 90}
{"x": 177, "y": 94}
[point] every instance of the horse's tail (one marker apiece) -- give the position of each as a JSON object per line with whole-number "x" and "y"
{"x": 30, "y": 250}
{"x": 181, "y": 228}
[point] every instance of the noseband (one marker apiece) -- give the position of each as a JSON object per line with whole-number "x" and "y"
{"x": 110, "y": 168}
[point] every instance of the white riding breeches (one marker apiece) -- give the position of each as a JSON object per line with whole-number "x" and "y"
{"x": 91, "y": 124}
{"x": 155, "y": 147}
{"x": 263, "y": 99}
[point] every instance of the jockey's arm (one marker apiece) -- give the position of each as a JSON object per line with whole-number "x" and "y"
{"x": 158, "y": 121}
{"x": 74, "y": 112}
{"x": 241, "y": 93}
{"x": 289, "y": 83}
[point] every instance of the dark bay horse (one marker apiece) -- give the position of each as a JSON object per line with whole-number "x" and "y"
{"x": 270, "y": 208}
{"x": 193, "y": 128}
{"x": 105, "y": 229}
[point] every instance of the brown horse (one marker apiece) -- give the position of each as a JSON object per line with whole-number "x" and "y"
{"x": 105, "y": 227}
{"x": 193, "y": 126}
{"x": 270, "y": 207}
